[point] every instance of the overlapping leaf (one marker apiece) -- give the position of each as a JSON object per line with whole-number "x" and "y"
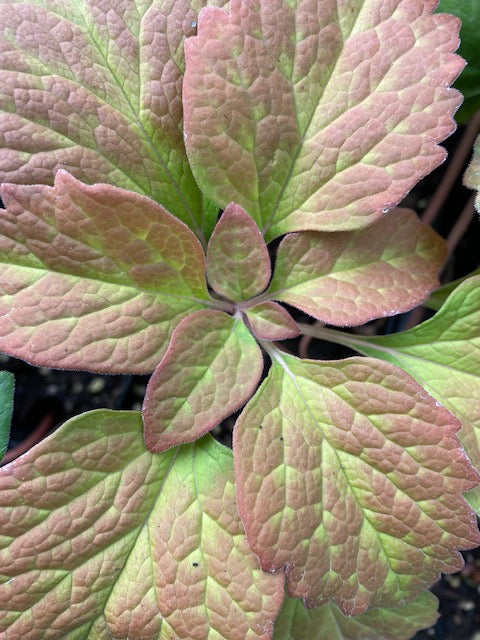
{"x": 96, "y": 88}
{"x": 440, "y": 295}
{"x": 211, "y": 368}
{"x": 295, "y": 622}
{"x": 472, "y": 174}
{"x": 270, "y": 321}
{"x": 102, "y": 539}
{"x": 443, "y": 355}
{"x": 238, "y": 263}
{"x": 318, "y": 115}
{"x": 6, "y": 405}
{"x": 93, "y": 277}
{"x": 352, "y": 277}
{"x": 350, "y": 476}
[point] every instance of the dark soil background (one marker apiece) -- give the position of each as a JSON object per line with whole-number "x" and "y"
{"x": 44, "y": 398}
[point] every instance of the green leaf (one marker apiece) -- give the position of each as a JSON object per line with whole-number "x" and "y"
{"x": 7, "y": 383}
{"x": 439, "y": 296}
{"x": 350, "y": 278}
{"x": 100, "y": 538}
{"x": 295, "y": 622}
{"x": 469, "y": 81}
{"x": 318, "y": 115}
{"x": 238, "y": 263}
{"x": 443, "y": 355}
{"x": 270, "y": 321}
{"x": 96, "y": 88}
{"x": 93, "y": 277}
{"x": 211, "y": 368}
{"x": 350, "y": 476}
{"x": 472, "y": 174}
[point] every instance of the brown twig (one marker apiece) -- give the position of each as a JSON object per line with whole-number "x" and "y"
{"x": 37, "y": 434}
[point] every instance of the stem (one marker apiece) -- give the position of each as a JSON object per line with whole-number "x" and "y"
{"x": 331, "y": 335}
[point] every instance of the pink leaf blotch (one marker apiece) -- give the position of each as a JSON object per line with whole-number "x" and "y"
{"x": 100, "y": 536}
{"x": 318, "y": 115}
{"x": 352, "y": 277}
{"x": 211, "y": 368}
{"x": 328, "y": 622}
{"x": 238, "y": 263}
{"x": 271, "y": 321}
{"x": 93, "y": 277}
{"x": 350, "y": 476}
{"x": 96, "y": 88}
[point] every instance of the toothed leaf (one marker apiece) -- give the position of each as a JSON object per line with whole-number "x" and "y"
{"x": 96, "y": 88}
{"x": 318, "y": 115}
{"x": 100, "y": 538}
{"x": 350, "y": 278}
{"x": 93, "y": 277}
{"x": 238, "y": 263}
{"x": 270, "y": 321}
{"x": 7, "y": 384}
{"x": 350, "y": 476}
{"x": 211, "y": 368}
{"x": 443, "y": 355}
{"x": 295, "y": 622}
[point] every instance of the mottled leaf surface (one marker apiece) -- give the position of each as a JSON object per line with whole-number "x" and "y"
{"x": 7, "y": 384}
{"x": 317, "y": 115}
{"x": 443, "y": 355}
{"x": 469, "y": 81}
{"x": 238, "y": 263}
{"x": 352, "y": 277}
{"x": 271, "y": 321}
{"x": 102, "y": 539}
{"x": 96, "y": 88}
{"x": 472, "y": 174}
{"x": 211, "y": 368}
{"x": 93, "y": 277}
{"x": 349, "y": 475}
{"x": 295, "y": 622}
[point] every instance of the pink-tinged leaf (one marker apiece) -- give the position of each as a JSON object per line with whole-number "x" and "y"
{"x": 96, "y": 88}
{"x": 317, "y": 115}
{"x": 99, "y": 538}
{"x": 443, "y": 355}
{"x": 238, "y": 263}
{"x": 270, "y": 321}
{"x": 93, "y": 277}
{"x": 472, "y": 174}
{"x": 352, "y": 277}
{"x": 211, "y": 368}
{"x": 349, "y": 475}
{"x": 295, "y": 622}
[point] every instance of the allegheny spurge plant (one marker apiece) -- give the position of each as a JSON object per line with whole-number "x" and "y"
{"x": 301, "y": 121}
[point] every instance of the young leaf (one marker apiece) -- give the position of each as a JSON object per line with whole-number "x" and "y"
{"x": 93, "y": 277}
{"x": 238, "y": 263}
{"x": 102, "y": 539}
{"x": 318, "y": 115}
{"x": 350, "y": 476}
{"x": 295, "y": 622}
{"x": 350, "y": 278}
{"x": 270, "y": 321}
{"x": 7, "y": 384}
{"x": 211, "y": 368}
{"x": 472, "y": 174}
{"x": 96, "y": 88}
{"x": 443, "y": 355}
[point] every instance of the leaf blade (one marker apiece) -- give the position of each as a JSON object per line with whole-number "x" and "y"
{"x": 350, "y": 278}
{"x": 298, "y": 111}
{"x": 211, "y": 368}
{"x": 343, "y": 514}
{"x": 88, "y": 531}
{"x": 7, "y": 384}
{"x": 91, "y": 274}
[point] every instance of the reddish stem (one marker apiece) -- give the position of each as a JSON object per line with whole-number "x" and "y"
{"x": 36, "y": 435}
